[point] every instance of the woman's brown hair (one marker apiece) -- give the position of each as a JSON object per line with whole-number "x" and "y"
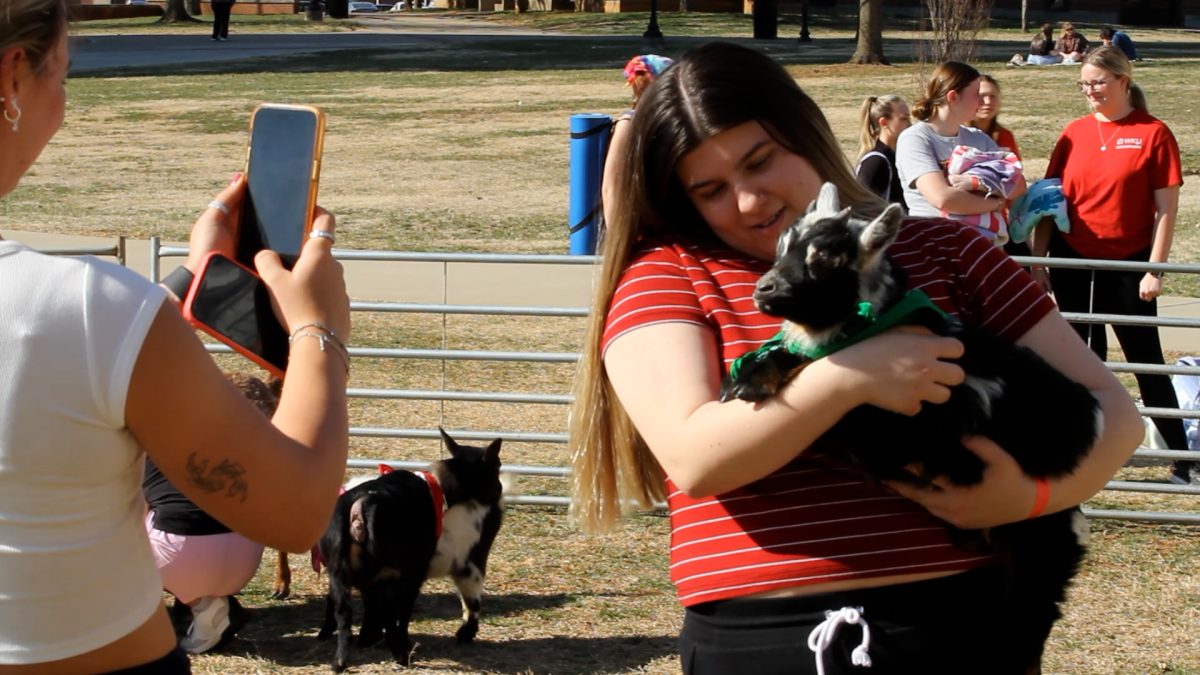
{"x": 947, "y": 77}
{"x": 32, "y": 25}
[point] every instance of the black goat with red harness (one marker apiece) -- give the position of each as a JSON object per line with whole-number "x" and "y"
{"x": 390, "y": 534}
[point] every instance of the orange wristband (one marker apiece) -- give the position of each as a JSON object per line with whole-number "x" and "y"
{"x": 1040, "y": 499}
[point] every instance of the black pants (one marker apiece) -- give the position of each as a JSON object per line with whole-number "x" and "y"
{"x": 1116, "y": 292}
{"x": 174, "y": 663}
{"x": 945, "y": 626}
{"x": 221, "y": 12}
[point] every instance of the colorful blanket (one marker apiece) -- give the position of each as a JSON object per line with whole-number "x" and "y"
{"x": 1000, "y": 172}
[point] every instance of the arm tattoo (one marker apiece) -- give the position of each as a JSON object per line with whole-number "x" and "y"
{"x": 228, "y": 476}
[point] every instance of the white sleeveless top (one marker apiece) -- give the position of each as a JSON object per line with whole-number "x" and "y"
{"x": 76, "y": 571}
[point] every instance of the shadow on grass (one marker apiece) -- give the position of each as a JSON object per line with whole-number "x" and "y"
{"x": 285, "y": 633}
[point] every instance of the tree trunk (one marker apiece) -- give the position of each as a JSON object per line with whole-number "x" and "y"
{"x": 870, "y": 34}
{"x": 193, "y": 7}
{"x": 176, "y": 12}
{"x": 765, "y": 16}
{"x": 1024, "y": 15}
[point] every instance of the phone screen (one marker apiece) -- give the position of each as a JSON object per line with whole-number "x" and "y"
{"x": 233, "y": 303}
{"x": 280, "y": 172}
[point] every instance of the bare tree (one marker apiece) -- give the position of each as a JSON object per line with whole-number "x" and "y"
{"x": 870, "y": 33}
{"x": 954, "y": 25}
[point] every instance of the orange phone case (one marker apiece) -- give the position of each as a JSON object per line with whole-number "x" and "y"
{"x": 318, "y": 149}
{"x": 190, "y": 317}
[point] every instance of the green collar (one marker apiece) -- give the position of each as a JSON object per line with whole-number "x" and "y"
{"x": 863, "y": 325}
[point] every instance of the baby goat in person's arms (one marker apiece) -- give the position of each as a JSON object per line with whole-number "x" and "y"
{"x": 833, "y": 283}
{"x": 390, "y": 534}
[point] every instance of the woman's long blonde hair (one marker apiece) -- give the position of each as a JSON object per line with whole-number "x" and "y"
{"x": 1113, "y": 60}
{"x": 33, "y": 25}
{"x": 873, "y": 109}
{"x": 715, "y": 87}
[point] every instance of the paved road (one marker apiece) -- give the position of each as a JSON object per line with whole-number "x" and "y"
{"x": 104, "y": 52}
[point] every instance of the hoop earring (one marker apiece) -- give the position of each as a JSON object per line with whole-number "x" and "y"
{"x": 13, "y": 119}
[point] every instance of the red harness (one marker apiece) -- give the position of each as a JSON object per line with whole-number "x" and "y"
{"x": 435, "y": 492}
{"x": 439, "y": 508}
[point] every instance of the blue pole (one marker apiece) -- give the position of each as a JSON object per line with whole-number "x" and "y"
{"x": 589, "y": 141}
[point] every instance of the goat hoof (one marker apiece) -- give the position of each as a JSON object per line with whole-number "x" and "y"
{"x": 281, "y": 594}
{"x": 746, "y": 392}
{"x": 339, "y": 666}
{"x": 403, "y": 653}
{"x": 466, "y": 633}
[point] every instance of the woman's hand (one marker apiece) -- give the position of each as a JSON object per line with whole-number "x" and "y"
{"x": 963, "y": 182}
{"x": 1041, "y": 276}
{"x": 216, "y": 230}
{"x": 1005, "y": 495}
{"x": 902, "y": 368}
{"x": 314, "y": 291}
{"x": 1150, "y": 287}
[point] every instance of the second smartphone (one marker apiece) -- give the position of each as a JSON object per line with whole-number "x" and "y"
{"x": 230, "y": 302}
{"x": 283, "y": 168}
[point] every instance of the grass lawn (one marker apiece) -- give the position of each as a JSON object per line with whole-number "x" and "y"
{"x": 461, "y": 144}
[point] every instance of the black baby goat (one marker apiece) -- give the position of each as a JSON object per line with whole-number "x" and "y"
{"x": 390, "y": 534}
{"x": 828, "y": 266}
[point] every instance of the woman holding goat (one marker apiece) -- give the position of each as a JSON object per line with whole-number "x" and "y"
{"x": 765, "y": 538}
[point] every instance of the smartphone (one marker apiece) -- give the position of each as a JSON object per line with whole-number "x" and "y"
{"x": 283, "y": 168}
{"x": 230, "y": 302}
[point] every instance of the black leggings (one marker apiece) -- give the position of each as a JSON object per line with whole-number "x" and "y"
{"x": 174, "y": 663}
{"x": 944, "y": 626}
{"x": 1116, "y": 292}
{"x": 221, "y": 12}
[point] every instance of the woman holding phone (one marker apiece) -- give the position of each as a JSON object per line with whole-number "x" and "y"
{"x": 100, "y": 371}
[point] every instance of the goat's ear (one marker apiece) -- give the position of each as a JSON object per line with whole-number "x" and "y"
{"x": 451, "y": 445}
{"x": 882, "y": 231}
{"x": 827, "y": 203}
{"x": 492, "y": 453}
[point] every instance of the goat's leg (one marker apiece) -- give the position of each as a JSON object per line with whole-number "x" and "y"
{"x": 469, "y": 581}
{"x": 399, "y": 608}
{"x": 374, "y": 617}
{"x": 763, "y": 375}
{"x": 339, "y": 595}
{"x": 282, "y": 588}
{"x": 329, "y": 625}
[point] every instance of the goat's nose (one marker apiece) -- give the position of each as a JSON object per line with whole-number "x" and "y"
{"x": 765, "y": 285}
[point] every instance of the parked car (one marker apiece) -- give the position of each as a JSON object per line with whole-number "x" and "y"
{"x": 363, "y": 7}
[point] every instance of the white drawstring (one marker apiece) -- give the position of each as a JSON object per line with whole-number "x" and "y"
{"x": 822, "y": 636}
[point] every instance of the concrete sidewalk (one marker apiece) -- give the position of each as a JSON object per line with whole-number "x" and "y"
{"x": 534, "y": 284}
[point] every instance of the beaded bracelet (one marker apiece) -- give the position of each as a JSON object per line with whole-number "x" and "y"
{"x": 324, "y": 339}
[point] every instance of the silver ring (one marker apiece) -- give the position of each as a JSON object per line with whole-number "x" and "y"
{"x": 322, "y": 234}
{"x": 219, "y": 205}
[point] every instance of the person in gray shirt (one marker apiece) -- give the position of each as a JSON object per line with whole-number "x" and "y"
{"x": 923, "y": 150}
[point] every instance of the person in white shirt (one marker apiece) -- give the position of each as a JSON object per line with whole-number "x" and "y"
{"x": 99, "y": 371}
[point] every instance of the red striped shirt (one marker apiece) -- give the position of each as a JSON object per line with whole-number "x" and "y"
{"x": 812, "y": 521}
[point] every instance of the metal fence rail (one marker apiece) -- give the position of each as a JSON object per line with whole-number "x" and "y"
{"x": 538, "y": 356}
